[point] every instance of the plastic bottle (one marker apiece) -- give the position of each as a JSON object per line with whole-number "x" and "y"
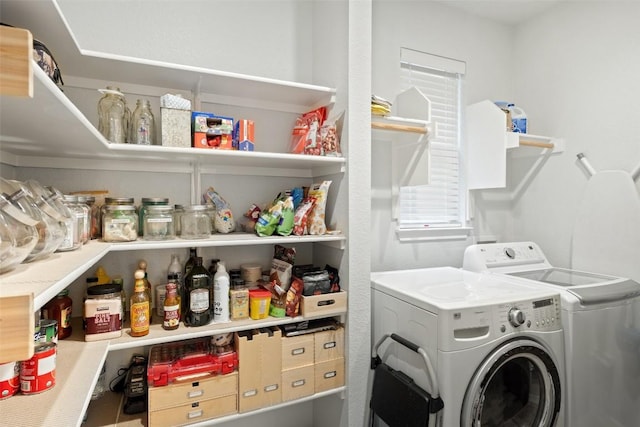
{"x": 518, "y": 119}
{"x": 140, "y": 307}
{"x": 175, "y": 268}
{"x": 221, "y": 294}
{"x": 198, "y": 292}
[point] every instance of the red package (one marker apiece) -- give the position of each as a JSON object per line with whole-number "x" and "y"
{"x": 301, "y": 217}
{"x": 305, "y": 137}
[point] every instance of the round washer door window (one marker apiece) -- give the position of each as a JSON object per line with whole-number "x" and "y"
{"x": 517, "y": 385}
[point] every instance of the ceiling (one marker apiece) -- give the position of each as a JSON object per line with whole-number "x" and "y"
{"x": 509, "y": 12}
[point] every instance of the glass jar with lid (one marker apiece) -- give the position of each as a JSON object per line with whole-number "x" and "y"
{"x": 73, "y": 239}
{"x": 120, "y": 224}
{"x": 50, "y": 231}
{"x": 195, "y": 222}
{"x": 94, "y": 214}
{"x": 18, "y": 233}
{"x": 144, "y": 205}
{"x": 158, "y": 223}
{"x": 86, "y": 230}
{"x": 116, "y": 201}
{"x": 178, "y": 210}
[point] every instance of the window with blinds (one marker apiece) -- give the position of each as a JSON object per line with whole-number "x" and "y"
{"x": 439, "y": 204}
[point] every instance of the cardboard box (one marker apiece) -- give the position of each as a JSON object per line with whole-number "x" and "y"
{"x": 260, "y": 368}
{"x": 298, "y": 382}
{"x": 329, "y": 345}
{"x": 189, "y": 401}
{"x": 328, "y": 375}
{"x": 175, "y": 127}
{"x": 297, "y": 351}
{"x": 187, "y": 391}
{"x": 324, "y": 305}
{"x": 200, "y": 140}
{"x": 243, "y": 135}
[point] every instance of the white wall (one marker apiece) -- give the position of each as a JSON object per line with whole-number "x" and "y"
{"x": 431, "y": 27}
{"x": 262, "y": 38}
{"x": 576, "y": 74}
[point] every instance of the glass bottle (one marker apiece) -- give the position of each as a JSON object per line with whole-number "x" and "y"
{"x": 171, "y": 317}
{"x": 113, "y": 115}
{"x": 142, "y": 127}
{"x": 142, "y": 265}
{"x": 198, "y": 292}
{"x": 193, "y": 254}
{"x": 140, "y": 307}
{"x": 59, "y": 309}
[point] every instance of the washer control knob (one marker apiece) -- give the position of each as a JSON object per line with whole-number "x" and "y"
{"x": 516, "y": 317}
{"x": 510, "y": 253}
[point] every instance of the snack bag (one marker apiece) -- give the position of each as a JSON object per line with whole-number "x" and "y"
{"x": 281, "y": 267}
{"x": 294, "y": 294}
{"x": 317, "y": 224}
{"x": 301, "y": 216}
{"x": 223, "y": 221}
{"x": 269, "y": 220}
{"x": 330, "y": 136}
{"x": 285, "y": 227}
{"x": 305, "y": 137}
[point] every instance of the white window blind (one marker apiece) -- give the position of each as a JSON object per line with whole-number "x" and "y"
{"x": 439, "y": 203}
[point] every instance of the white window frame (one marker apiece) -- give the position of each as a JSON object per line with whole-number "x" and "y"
{"x": 448, "y": 227}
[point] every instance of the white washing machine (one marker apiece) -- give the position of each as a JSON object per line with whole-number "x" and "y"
{"x": 600, "y": 316}
{"x": 496, "y": 346}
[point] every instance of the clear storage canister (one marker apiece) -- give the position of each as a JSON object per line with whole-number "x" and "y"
{"x": 144, "y": 205}
{"x": 195, "y": 222}
{"x": 18, "y": 235}
{"x": 115, "y": 201}
{"x": 75, "y": 240}
{"x": 178, "y": 210}
{"x": 158, "y": 223}
{"x": 120, "y": 224}
{"x": 86, "y": 230}
{"x": 94, "y": 213}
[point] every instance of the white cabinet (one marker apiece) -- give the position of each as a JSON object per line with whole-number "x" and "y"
{"x": 49, "y": 131}
{"x": 487, "y": 142}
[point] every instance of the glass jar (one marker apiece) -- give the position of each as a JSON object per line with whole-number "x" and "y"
{"x": 94, "y": 214}
{"x": 18, "y": 233}
{"x": 73, "y": 240}
{"x": 120, "y": 224}
{"x": 86, "y": 230}
{"x": 144, "y": 205}
{"x": 178, "y": 210}
{"x": 142, "y": 129}
{"x": 50, "y": 231}
{"x": 113, "y": 115}
{"x": 113, "y": 201}
{"x": 195, "y": 223}
{"x": 59, "y": 309}
{"x": 158, "y": 223}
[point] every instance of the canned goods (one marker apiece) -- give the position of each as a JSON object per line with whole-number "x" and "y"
{"x": 9, "y": 379}
{"x": 38, "y": 374}
{"x": 48, "y": 331}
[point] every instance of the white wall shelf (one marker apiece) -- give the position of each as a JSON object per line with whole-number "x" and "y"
{"x": 488, "y": 141}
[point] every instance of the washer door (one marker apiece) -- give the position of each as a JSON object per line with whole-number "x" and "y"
{"x": 517, "y": 385}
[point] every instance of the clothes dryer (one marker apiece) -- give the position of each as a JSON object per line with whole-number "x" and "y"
{"x": 496, "y": 347}
{"x": 600, "y": 316}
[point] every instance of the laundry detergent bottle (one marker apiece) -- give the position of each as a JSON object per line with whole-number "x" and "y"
{"x": 518, "y": 119}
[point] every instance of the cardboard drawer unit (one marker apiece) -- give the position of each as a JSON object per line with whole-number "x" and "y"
{"x": 260, "y": 368}
{"x": 298, "y": 382}
{"x": 329, "y": 345}
{"x": 328, "y": 375}
{"x": 297, "y": 351}
{"x": 194, "y": 400}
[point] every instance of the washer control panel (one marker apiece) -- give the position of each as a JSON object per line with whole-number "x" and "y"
{"x": 536, "y": 315}
{"x": 484, "y": 257}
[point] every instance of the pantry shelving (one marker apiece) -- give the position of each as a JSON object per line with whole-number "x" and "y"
{"x": 49, "y": 131}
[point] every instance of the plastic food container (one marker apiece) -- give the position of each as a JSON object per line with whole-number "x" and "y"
{"x": 259, "y": 302}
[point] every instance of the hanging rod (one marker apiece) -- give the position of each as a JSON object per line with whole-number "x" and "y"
{"x": 537, "y": 144}
{"x": 401, "y": 128}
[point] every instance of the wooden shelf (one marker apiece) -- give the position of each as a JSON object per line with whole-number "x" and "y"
{"x": 399, "y": 124}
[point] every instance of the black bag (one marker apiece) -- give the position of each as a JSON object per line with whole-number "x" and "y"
{"x": 43, "y": 57}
